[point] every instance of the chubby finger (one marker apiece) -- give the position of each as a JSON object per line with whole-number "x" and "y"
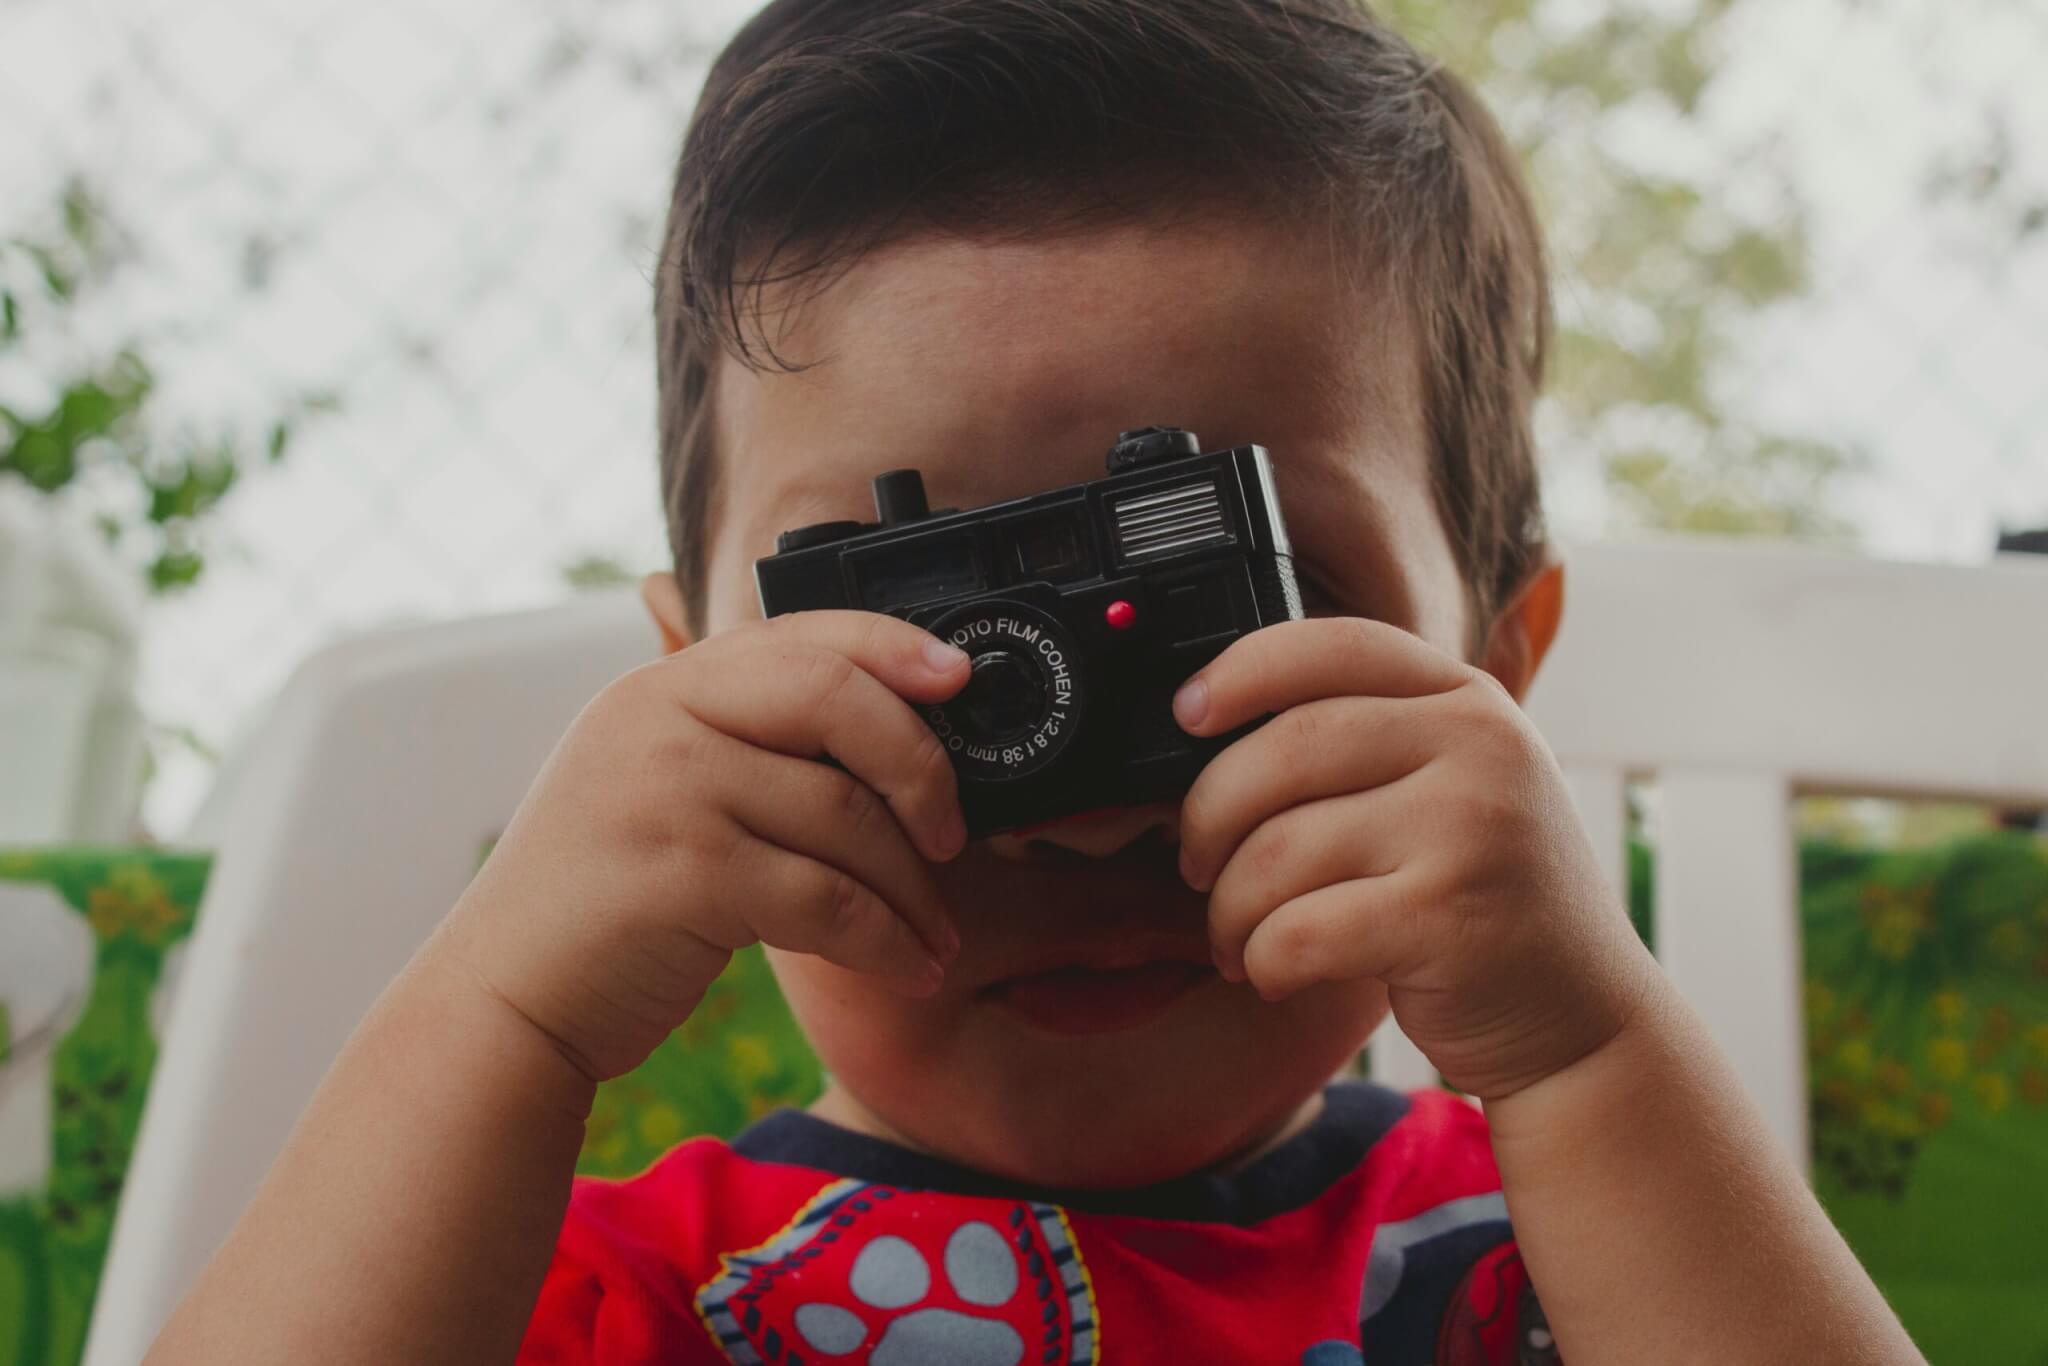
{"x": 1372, "y": 927}
{"x": 1335, "y": 840}
{"x": 908, "y": 660}
{"x": 1316, "y": 750}
{"x": 838, "y": 820}
{"x": 840, "y": 689}
{"x": 798, "y": 903}
{"x": 1294, "y": 662}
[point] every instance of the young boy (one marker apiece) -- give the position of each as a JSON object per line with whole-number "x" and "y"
{"x": 1079, "y": 1107}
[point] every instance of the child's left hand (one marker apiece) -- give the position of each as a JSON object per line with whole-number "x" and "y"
{"x": 1400, "y": 819}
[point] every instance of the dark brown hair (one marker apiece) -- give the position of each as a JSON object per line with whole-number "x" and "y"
{"x": 829, "y": 127}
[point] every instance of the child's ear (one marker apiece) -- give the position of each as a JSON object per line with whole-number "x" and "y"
{"x": 664, "y": 599}
{"x": 1523, "y": 631}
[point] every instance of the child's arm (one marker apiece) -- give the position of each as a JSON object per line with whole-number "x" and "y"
{"x": 1401, "y": 820}
{"x": 1661, "y": 1221}
{"x": 413, "y": 1213}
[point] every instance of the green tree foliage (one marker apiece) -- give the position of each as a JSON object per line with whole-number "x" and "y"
{"x": 94, "y": 422}
{"x": 1658, "y": 266}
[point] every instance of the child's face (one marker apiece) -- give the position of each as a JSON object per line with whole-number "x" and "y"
{"x": 1002, "y": 369}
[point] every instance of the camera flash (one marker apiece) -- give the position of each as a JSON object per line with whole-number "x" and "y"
{"x": 1120, "y": 615}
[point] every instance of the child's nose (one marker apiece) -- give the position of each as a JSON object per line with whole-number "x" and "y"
{"x": 1098, "y": 834}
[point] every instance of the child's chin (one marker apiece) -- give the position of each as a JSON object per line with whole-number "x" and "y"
{"x": 1144, "y": 1143}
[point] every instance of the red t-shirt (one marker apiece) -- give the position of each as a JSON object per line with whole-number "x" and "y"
{"x": 1378, "y": 1235}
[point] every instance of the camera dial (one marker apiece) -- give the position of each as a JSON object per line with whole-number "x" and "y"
{"x": 817, "y": 533}
{"x": 899, "y": 498}
{"x": 1023, "y": 703}
{"x": 1149, "y": 445}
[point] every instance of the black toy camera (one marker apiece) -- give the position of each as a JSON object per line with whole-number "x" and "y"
{"x": 1083, "y": 609}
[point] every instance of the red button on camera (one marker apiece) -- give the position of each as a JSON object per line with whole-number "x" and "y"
{"x": 1120, "y": 615}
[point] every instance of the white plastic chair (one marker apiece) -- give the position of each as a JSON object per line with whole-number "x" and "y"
{"x": 357, "y": 817}
{"x": 1732, "y": 675}
{"x": 1736, "y": 678}
{"x": 71, "y": 745}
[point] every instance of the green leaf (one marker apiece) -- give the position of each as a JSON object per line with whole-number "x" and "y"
{"x": 10, "y": 316}
{"x": 88, "y": 409}
{"x": 175, "y": 569}
{"x": 41, "y": 458}
{"x": 81, "y": 216}
{"x": 595, "y": 572}
{"x": 280, "y": 437}
{"x": 191, "y": 487}
{"x": 57, "y": 278}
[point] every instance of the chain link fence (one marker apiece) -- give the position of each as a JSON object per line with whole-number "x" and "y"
{"x": 440, "y": 217}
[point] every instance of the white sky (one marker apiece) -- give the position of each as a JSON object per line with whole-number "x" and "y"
{"x": 463, "y": 229}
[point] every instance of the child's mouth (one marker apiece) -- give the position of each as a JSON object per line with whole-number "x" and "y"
{"x": 1082, "y": 1000}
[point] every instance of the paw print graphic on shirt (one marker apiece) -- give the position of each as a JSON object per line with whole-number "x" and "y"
{"x": 890, "y": 1274}
{"x": 895, "y": 1278}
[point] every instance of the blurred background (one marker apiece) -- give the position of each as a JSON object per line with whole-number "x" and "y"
{"x": 334, "y": 314}
{"x": 324, "y": 316}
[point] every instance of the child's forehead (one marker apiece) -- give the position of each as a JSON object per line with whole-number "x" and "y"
{"x": 1000, "y": 369}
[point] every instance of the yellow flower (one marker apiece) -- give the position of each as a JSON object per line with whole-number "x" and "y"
{"x": 131, "y": 901}
{"x": 751, "y": 1058}
{"x": 2034, "y": 1086}
{"x": 1885, "y": 1119}
{"x": 2037, "y": 1039}
{"x": 1948, "y": 1058}
{"x": 1895, "y": 921}
{"x": 661, "y": 1124}
{"x": 1820, "y": 1002}
{"x": 1948, "y": 1006}
{"x": 1855, "y": 1055}
{"x": 1993, "y": 1091}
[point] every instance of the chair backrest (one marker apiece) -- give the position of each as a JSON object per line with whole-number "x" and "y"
{"x": 363, "y": 808}
{"x": 1733, "y": 676}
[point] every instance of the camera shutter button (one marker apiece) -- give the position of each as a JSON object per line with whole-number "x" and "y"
{"x": 1148, "y": 445}
{"x": 899, "y": 497}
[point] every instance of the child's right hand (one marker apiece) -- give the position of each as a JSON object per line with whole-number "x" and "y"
{"x": 684, "y": 815}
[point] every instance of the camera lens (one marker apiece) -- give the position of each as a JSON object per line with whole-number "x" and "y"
{"x": 1004, "y": 696}
{"x": 1022, "y": 705}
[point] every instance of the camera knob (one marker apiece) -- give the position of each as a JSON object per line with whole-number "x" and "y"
{"x": 1147, "y": 445}
{"x": 818, "y": 533}
{"x": 899, "y": 497}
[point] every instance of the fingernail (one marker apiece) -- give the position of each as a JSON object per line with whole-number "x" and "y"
{"x": 952, "y": 836}
{"x": 941, "y": 657}
{"x": 949, "y": 944}
{"x": 930, "y": 979}
{"x": 1188, "y": 872}
{"x": 1191, "y": 703}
